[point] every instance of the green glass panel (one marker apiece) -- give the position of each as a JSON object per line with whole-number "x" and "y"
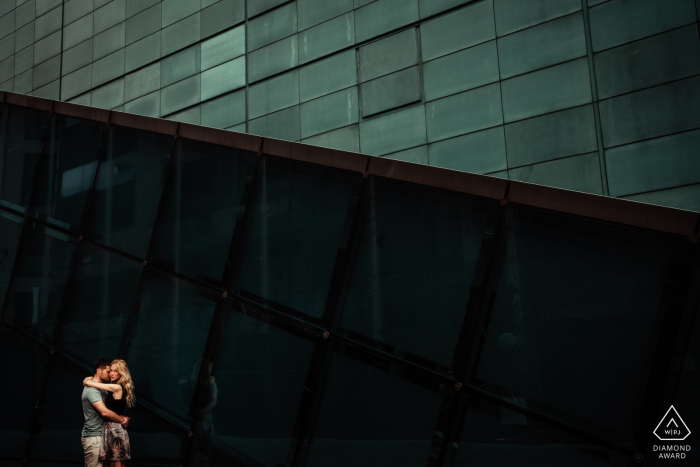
{"x": 7, "y": 46}
{"x": 224, "y": 111}
{"x": 109, "y": 15}
{"x": 329, "y": 112}
{"x": 109, "y": 41}
{"x": 391, "y": 91}
{"x": 8, "y": 85}
{"x": 344, "y": 139}
{"x": 101, "y": 299}
{"x": 431, "y": 7}
{"x": 241, "y": 128}
{"x": 393, "y": 132}
{"x": 224, "y": 47}
{"x": 417, "y": 155}
{"x": 328, "y": 75}
{"x": 73, "y": 59}
{"x": 281, "y": 125}
{"x": 49, "y": 91}
{"x": 143, "y": 52}
{"x": 148, "y": 105}
{"x": 500, "y": 174}
{"x": 47, "y": 47}
{"x": 81, "y": 100}
{"x": 388, "y": 55}
{"x": 143, "y": 24}
{"x": 19, "y": 356}
{"x": 77, "y": 32}
{"x": 199, "y": 211}
{"x": 654, "y": 165}
{"x": 76, "y": 9}
{"x": 7, "y": 6}
{"x": 175, "y": 10}
{"x": 296, "y": 228}
{"x": 551, "y": 136}
{"x": 274, "y": 58}
{"x": 457, "y": 30}
{"x": 23, "y": 82}
{"x": 272, "y": 26}
{"x": 108, "y": 96}
{"x": 313, "y": 12}
{"x": 66, "y": 174}
{"x": 654, "y": 60}
{"x": 127, "y": 190}
{"x": 192, "y": 115}
{"x": 181, "y": 34}
{"x": 658, "y": 111}
{"x": 274, "y": 94}
{"x": 513, "y": 15}
{"x": 7, "y": 23}
{"x": 7, "y": 68}
{"x": 554, "y": 88}
{"x": 578, "y": 173}
{"x": 541, "y": 46}
{"x": 461, "y": 71}
{"x": 45, "y": 6}
{"x": 359, "y": 3}
{"x": 76, "y": 83}
{"x": 24, "y": 37}
{"x": 142, "y": 82}
{"x": 48, "y": 23}
{"x": 136, "y": 6}
{"x": 25, "y": 59}
{"x": 10, "y": 228}
{"x": 180, "y": 95}
{"x": 35, "y": 294}
{"x": 383, "y": 16}
{"x": 614, "y": 23}
{"x": 25, "y": 13}
{"x": 179, "y": 66}
{"x": 108, "y": 68}
{"x": 223, "y": 78}
{"x": 481, "y": 152}
{"x": 46, "y": 72}
{"x": 327, "y": 38}
{"x": 365, "y": 411}
{"x": 258, "y": 6}
{"x": 181, "y": 345}
{"x": 463, "y": 113}
{"x": 222, "y": 15}
{"x": 684, "y": 197}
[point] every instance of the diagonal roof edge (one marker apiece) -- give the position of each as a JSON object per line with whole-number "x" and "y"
{"x": 602, "y": 208}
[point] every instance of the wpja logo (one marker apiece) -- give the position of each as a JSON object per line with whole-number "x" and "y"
{"x": 672, "y": 428}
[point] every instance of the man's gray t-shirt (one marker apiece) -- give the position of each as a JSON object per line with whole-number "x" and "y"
{"x": 93, "y": 420}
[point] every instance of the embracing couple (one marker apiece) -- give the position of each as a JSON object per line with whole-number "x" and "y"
{"x": 104, "y": 433}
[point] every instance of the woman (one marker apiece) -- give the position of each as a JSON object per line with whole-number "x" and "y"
{"x": 115, "y": 439}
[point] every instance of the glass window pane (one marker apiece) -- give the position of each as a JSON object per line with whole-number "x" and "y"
{"x": 22, "y": 134}
{"x": 174, "y": 319}
{"x": 181, "y": 34}
{"x": 579, "y": 173}
{"x": 295, "y": 234}
{"x": 330, "y": 112}
{"x": 281, "y": 125}
{"x": 272, "y": 26}
{"x": 180, "y": 95}
{"x": 382, "y": 16}
{"x": 393, "y": 132}
{"x": 200, "y": 210}
{"x": 513, "y": 15}
{"x": 223, "y": 78}
{"x": 142, "y": 82}
{"x": 553, "y": 300}
{"x": 66, "y": 175}
{"x": 418, "y": 252}
{"x": 328, "y": 75}
{"x": 367, "y": 415}
{"x": 224, "y": 47}
{"x": 388, "y": 55}
{"x": 10, "y": 227}
{"x": 143, "y": 24}
{"x": 275, "y": 58}
{"x": 391, "y": 91}
{"x": 327, "y": 38}
{"x": 481, "y": 152}
{"x": 345, "y": 139}
{"x": 36, "y": 292}
{"x": 225, "y": 111}
{"x": 221, "y": 15}
{"x": 179, "y": 66}
{"x": 313, "y": 12}
{"x": 274, "y": 94}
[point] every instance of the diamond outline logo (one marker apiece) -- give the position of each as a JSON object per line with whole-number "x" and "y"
{"x": 674, "y": 421}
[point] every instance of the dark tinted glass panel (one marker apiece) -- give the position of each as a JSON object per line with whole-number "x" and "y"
{"x": 369, "y": 416}
{"x": 173, "y": 325}
{"x": 10, "y": 227}
{"x": 554, "y": 299}
{"x": 414, "y": 268}
{"x": 296, "y": 227}
{"x": 67, "y": 172}
{"x": 254, "y": 392}
{"x": 128, "y": 188}
{"x": 201, "y": 209}
{"x": 36, "y": 292}
{"x": 102, "y": 296}
{"x": 22, "y": 133}
{"x": 19, "y": 358}
{"x": 494, "y": 436}
{"x": 153, "y": 441}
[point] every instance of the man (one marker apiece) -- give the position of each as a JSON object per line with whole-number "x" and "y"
{"x": 94, "y": 410}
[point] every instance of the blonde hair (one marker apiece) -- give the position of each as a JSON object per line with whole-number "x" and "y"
{"x": 125, "y": 381}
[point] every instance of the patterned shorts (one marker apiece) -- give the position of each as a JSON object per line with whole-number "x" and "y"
{"x": 115, "y": 443}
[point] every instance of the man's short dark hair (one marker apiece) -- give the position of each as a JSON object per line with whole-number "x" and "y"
{"x": 101, "y": 363}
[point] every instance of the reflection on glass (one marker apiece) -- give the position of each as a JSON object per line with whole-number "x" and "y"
{"x": 22, "y": 133}
{"x": 10, "y": 227}
{"x": 42, "y": 268}
{"x": 66, "y": 174}
{"x": 414, "y": 268}
{"x": 292, "y": 244}
{"x": 128, "y": 188}
{"x": 201, "y": 209}
{"x": 101, "y": 299}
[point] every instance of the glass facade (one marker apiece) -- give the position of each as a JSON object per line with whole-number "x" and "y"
{"x": 292, "y": 306}
{"x": 598, "y": 96}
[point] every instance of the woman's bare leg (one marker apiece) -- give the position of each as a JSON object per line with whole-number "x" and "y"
{"x": 116, "y": 464}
